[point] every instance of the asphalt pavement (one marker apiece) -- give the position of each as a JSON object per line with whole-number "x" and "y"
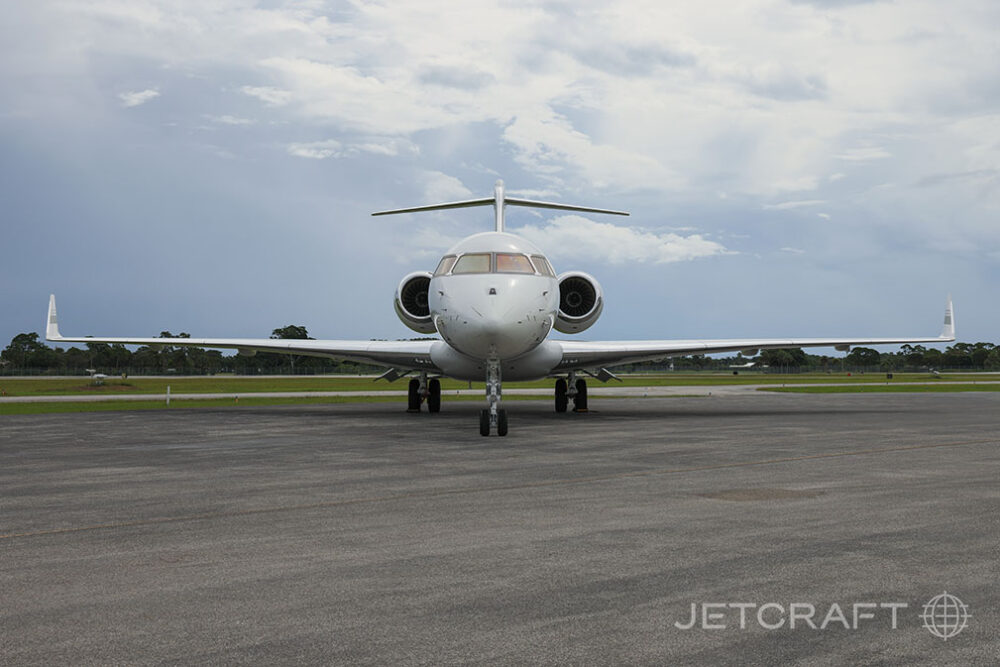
{"x": 359, "y": 534}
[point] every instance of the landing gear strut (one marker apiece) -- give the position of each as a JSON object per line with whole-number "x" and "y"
{"x": 422, "y": 389}
{"x": 571, "y": 388}
{"x": 580, "y": 400}
{"x": 493, "y": 415}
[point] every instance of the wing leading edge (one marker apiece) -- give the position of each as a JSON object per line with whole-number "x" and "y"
{"x": 402, "y": 355}
{"x": 580, "y": 355}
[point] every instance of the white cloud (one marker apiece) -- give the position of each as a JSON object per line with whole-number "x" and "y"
{"x": 440, "y": 188}
{"x": 794, "y": 251}
{"x": 753, "y": 102}
{"x": 548, "y": 144}
{"x": 788, "y": 205}
{"x": 320, "y": 150}
{"x": 539, "y": 194}
{"x": 390, "y": 147}
{"x": 135, "y": 98}
{"x": 864, "y": 154}
{"x": 576, "y": 237}
{"x": 317, "y": 150}
{"x": 795, "y": 184}
{"x": 272, "y": 96}
{"x": 230, "y": 120}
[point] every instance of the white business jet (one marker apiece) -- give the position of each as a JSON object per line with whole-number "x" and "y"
{"x": 494, "y": 298}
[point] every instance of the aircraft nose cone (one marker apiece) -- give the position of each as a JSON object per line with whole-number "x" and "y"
{"x": 496, "y": 317}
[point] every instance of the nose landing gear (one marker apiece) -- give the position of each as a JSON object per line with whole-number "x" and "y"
{"x": 493, "y": 415}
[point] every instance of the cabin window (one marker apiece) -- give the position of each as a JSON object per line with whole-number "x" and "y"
{"x": 473, "y": 263}
{"x": 542, "y": 266}
{"x": 508, "y": 263}
{"x": 444, "y": 267}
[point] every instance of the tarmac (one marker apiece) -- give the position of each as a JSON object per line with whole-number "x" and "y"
{"x": 360, "y": 534}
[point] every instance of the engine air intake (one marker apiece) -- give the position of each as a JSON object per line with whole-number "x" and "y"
{"x": 412, "y": 304}
{"x": 414, "y": 296}
{"x": 580, "y": 302}
{"x": 576, "y": 296}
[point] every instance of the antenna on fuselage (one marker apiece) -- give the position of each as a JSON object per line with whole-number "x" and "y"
{"x": 499, "y": 201}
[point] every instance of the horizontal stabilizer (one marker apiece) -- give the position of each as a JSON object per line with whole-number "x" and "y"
{"x": 499, "y": 201}
{"x": 439, "y": 207}
{"x": 563, "y": 207}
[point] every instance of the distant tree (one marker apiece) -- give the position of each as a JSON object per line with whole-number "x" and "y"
{"x": 933, "y": 358}
{"x": 784, "y": 359}
{"x": 958, "y": 355}
{"x": 980, "y": 352}
{"x": 993, "y": 359}
{"x": 888, "y": 361}
{"x": 26, "y": 351}
{"x": 290, "y": 332}
{"x": 913, "y": 355}
{"x": 77, "y": 360}
{"x": 863, "y": 357}
{"x": 293, "y": 332}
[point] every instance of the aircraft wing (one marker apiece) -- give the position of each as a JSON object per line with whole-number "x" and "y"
{"x": 599, "y": 354}
{"x": 402, "y": 355}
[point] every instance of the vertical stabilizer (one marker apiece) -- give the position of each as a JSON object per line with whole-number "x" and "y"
{"x": 498, "y": 204}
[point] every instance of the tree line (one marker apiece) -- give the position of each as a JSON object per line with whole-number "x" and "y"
{"x": 28, "y": 355}
{"x": 959, "y": 356}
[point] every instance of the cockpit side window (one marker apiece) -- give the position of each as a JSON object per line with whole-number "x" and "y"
{"x": 472, "y": 263}
{"x": 510, "y": 263}
{"x": 542, "y": 266}
{"x": 444, "y": 267}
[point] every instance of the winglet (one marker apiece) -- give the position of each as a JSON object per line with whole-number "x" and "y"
{"x": 948, "y": 332}
{"x": 52, "y": 328}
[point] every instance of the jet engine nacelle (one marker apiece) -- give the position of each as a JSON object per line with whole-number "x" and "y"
{"x": 411, "y": 302}
{"x": 580, "y": 302}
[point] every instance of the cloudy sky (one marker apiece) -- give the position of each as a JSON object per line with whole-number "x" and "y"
{"x": 792, "y": 167}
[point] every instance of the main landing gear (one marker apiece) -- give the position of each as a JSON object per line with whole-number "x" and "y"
{"x": 423, "y": 389}
{"x": 571, "y": 388}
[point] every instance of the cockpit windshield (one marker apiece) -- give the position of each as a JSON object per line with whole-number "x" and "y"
{"x": 473, "y": 263}
{"x": 444, "y": 267}
{"x": 542, "y": 266}
{"x": 494, "y": 262}
{"x": 509, "y": 263}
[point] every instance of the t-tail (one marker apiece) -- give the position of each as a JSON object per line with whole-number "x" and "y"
{"x": 499, "y": 201}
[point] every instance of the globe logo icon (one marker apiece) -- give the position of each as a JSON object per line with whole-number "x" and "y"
{"x": 945, "y": 615}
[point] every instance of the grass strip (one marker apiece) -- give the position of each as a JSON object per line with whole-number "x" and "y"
{"x": 245, "y": 385}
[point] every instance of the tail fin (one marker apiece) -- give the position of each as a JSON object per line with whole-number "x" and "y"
{"x": 499, "y": 201}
